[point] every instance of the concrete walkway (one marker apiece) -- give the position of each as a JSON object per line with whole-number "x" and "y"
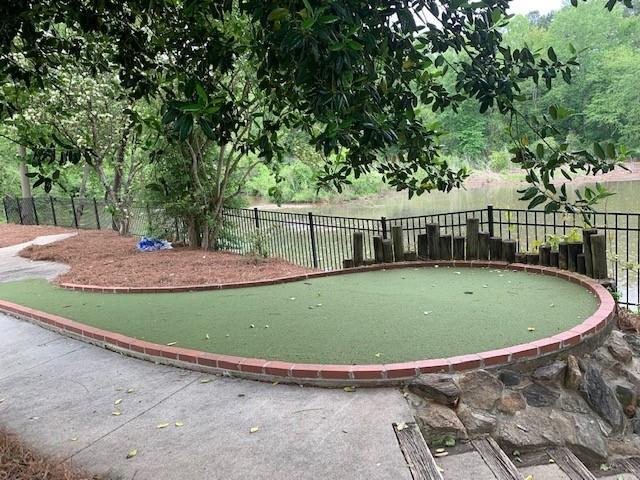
{"x": 59, "y": 395}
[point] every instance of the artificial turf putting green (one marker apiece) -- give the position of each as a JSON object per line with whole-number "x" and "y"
{"x": 373, "y": 317}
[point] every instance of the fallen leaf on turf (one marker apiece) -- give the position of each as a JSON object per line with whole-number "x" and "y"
{"x": 132, "y": 453}
{"x": 252, "y": 326}
{"x": 266, "y": 326}
{"x": 207, "y": 336}
{"x": 401, "y": 426}
{"x": 254, "y": 429}
{"x": 163, "y": 425}
{"x": 292, "y": 298}
{"x": 552, "y": 305}
{"x": 319, "y": 305}
{"x": 378, "y": 355}
{"x": 179, "y": 424}
{"x": 118, "y": 401}
{"x": 349, "y": 389}
{"x": 428, "y": 312}
{"x": 116, "y": 413}
{"x": 170, "y": 344}
{"x": 532, "y": 329}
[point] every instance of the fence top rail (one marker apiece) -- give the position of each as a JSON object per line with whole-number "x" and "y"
{"x": 524, "y": 210}
{"x": 441, "y": 214}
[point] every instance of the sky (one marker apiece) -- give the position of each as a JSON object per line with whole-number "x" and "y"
{"x": 543, "y": 6}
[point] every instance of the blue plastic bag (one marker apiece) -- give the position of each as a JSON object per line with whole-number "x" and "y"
{"x": 147, "y": 244}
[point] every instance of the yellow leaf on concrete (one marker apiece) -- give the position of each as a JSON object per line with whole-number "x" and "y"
{"x": 401, "y": 426}
{"x": 116, "y": 413}
{"x": 118, "y": 401}
{"x": 254, "y": 429}
{"x": 349, "y": 389}
{"x": 163, "y": 425}
{"x": 205, "y": 380}
{"x": 131, "y": 390}
{"x": 179, "y": 424}
{"x": 132, "y": 453}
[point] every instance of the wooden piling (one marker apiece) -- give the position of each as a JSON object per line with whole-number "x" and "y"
{"x": 554, "y": 259}
{"x": 483, "y": 246}
{"x": 446, "y": 250}
{"x": 358, "y": 249}
{"x": 378, "y": 250}
{"x": 521, "y": 257}
{"x": 581, "y": 267}
{"x": 495, "y": 248}
{"x": 387, "y": 250}
{"x": 533, "y": 258}
{"x": 347, "y": 263}
{"x": 599, "y": 256}
{"x": 410, "y": 257}
{"x": 473, "y": 247}
{"x": 545, "y": 255}
{"x": 433, "y": 241}
{"x": 509, "y": 248}
{"x": 458, "y": 248}
{"x": 423, "y": 250}
{"x": 586, "y": 248}
{"x": 563, "y": 255}
{"x": 397, "y": 236}
{"x": 573, "y": 250}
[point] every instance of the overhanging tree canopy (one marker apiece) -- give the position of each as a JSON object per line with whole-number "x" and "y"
{"x": 352, "y": 73}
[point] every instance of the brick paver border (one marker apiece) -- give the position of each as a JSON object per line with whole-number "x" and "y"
{"x": 588, "y": 332}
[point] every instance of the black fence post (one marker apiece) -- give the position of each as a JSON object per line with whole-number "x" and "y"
{"x": 75, "y": 216}
{"x": 256, "y": 217}
{"x": 314, "y": 248}
{"x": 95, "y": 209}
{"x": 6, "y": 210}
{"x": 53, "y": 211}
{"x": 490, "y": 219}
{"x": 383, "y": 221}
{"x": 19, "y": 211}
{"x": 35, "y": 211}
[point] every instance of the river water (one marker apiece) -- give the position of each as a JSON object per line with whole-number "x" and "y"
{"x": 396, "y": 204}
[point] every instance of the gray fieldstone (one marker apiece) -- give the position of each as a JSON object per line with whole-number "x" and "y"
{"x": 440, "y": 388}
{"x": 480, "y": 389}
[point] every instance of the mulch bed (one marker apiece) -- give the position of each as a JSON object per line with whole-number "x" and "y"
{"x": 11, "y": 234}
{"x": 17, "y": 462}
{"x": 107, "y": 259}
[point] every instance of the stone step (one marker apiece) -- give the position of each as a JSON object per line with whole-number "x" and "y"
{"x": 570, "y": 464}
{"x": 620, "y": 476}
{"x": 544, "y": 472}
{"x": 464, "y": 466}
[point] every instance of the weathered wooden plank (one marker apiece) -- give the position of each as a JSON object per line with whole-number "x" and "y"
{"x": 458, "y": 248}
{"x": 483, "y": 246}
{"x": 498, "y": 461}
{"x": 387, "y": 250}
{"x": 630, "y": 465}
{"x": 421, "y": 463}
{"x": 599, "y": 255}
{"x": 445, "y": 252}
{"x": 570, "y": 464}
{"x": 433, "y": 240}
{"x": 495, "y": 247}
{"x": 378, "y": 249}
{"x": 586, "y": 240}
{"x": 509, "y": 248}
{"x": 473, "y": 247}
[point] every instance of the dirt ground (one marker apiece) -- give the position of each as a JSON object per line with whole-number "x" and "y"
{"x": 17, "y": 462}
{"x": 11, "y": 234}
{"x": 107, "y": 259}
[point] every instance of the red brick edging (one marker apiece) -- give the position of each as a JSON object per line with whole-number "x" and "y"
{"x": 340, "y": 375}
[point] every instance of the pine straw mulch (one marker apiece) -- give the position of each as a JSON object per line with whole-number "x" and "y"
{"x": 11, "y": 234}
{"x": 17, "y": 462}
{"x": 107, "y": 259}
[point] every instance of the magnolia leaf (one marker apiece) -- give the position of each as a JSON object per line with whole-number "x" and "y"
{"x": 401, "y": 426}
{"x": 254, "y": 429}
{"x": 163, "y": 425}
{"x": 116, "y": 413}
{"x": 531, "y": 329}
{"x": 118, "y": 401}
{"x": 132, "y": 453}
{"x": 170, "y": 344}
{"x": 179, "y": 424}
{"x": 131, "y": 390}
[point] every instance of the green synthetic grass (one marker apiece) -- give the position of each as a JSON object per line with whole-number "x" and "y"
{"x": 373, "y": 317}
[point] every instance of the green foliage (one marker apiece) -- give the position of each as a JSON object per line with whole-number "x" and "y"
{"x": 499, "y": 161}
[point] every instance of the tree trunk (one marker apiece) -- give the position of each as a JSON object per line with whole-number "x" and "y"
{"x": 26, "y": 205}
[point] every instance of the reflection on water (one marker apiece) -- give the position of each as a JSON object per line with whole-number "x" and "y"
{"x": 396, "y": 204}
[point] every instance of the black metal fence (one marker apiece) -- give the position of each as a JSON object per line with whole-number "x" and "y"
{"x": 321, "y": 241}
